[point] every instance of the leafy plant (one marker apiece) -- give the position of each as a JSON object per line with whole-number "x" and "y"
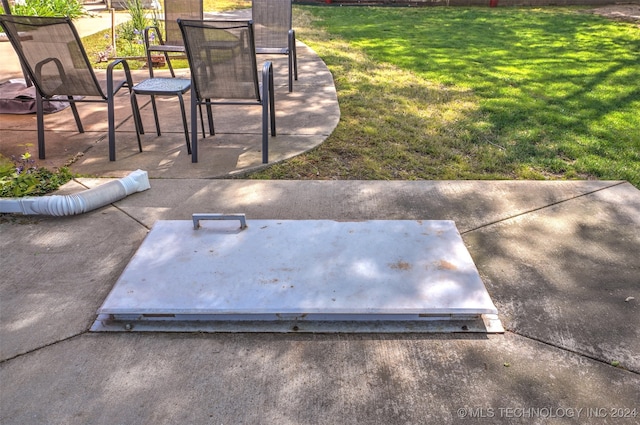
{"x": 71, "y": 8}
{"x": 138, "y": 14}
{"x": 21, "y": 177}
{"x": 131, "y": 31}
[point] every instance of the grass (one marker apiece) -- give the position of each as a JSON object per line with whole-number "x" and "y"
{"x": 224, "y": 5}
{"x": 474, "y": 93}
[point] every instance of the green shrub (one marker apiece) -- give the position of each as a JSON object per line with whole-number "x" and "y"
{"x": 71, "y": 8}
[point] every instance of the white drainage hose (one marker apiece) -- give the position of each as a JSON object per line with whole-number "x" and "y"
{"x": 61, "y": 205}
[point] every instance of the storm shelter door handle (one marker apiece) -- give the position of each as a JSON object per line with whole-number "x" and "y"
{"x": 198, "y": 217}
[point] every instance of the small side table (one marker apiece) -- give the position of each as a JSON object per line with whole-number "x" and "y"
{"x": 165, "y": 87}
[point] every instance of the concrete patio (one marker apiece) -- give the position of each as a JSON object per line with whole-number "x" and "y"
{"x": 304, "y": 119}
{"x": 559, "y": 260}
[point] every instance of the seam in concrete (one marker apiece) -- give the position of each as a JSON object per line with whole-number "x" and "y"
{"x": 568, "y": 350}
{"x": 533, "y": 338}
{"x": 116, "y": 207}
{"x": 541, "y": 208}
{"x": 33, "y": 350}
{"x": 131, "y": 217}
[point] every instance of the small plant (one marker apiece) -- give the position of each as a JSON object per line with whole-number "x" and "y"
{"x": 132, "y": 31}
{"x": 129, "y": 40}
{"x": 21, "y": 177}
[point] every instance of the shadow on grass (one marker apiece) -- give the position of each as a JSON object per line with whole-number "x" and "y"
{"x": 546, "y": 93}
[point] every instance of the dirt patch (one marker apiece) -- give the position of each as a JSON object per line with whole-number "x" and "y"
{"x": 619, "y": 12}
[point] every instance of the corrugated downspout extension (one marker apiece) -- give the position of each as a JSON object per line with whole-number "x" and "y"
{"x": 79, "y": 203}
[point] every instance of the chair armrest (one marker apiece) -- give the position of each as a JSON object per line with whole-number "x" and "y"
{"x": 38, "y": 72}
{"x": 147, "y": 33}
{"x": 267, "y": 81}
{"x": 166, "y": 48}
{"x": 159, "y": 46}
{"x": 292, "y": 40}
{"x": 114, "y": 87}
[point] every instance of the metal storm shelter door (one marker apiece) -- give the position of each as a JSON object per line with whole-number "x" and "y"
{"x": 300, "y": 276}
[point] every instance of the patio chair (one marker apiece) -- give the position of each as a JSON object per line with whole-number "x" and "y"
{"x": 172, "y": 41}
{"x": 274, "y": 33}
{"x": 57, "y": 64}
{"x": 224, "y": 71}
{"x": 154, "y": 42}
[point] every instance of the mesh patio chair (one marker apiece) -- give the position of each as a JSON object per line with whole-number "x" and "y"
{"x": 274, "y": 33}
{"x": 172, "y": 40}
{"x": 224, "y": 71}
{"x": 52, "y": 53}
{"x": 172, "y": 43}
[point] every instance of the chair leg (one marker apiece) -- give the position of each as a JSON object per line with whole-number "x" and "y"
{"x": 210, "y": 118}
{"x": 112, "y": 128}
{"x": 265, "y": 132}
{"x": 267, "y": 100}
{"x": 136, "y": 118}
{"x": 212, "y": 131}
{"x": 76, "y": 116}
{"x": 136, "y": 113}
{"x": 272, "y": 104}
{"x": 204, "y": 134}
{"x": 184, "y": 122}
{"x": 168, "y": 60}
{"x": 155, "y": 114}
{"x": 293, "y": 59}
{"x": 295, "y": 62}
{"x": 290, "y": 72}
{"x": 40, "y": 125}
{"x": 194, "y": 126}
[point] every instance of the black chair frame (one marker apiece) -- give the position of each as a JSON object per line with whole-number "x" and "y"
{"x": 264, "y": 92}
{"x": 97, "y": 94}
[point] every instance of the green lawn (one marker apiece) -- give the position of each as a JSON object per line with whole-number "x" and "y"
{"x": 475, "y": 93}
